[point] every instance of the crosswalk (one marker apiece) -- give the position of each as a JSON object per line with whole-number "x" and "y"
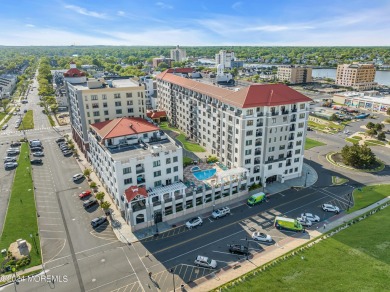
{"x": 20, "y": 132}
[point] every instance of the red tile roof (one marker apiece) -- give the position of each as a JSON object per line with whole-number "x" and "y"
{"x": 134, "y": 191}
{"x": 156, "y": 115}
{"x": 74, "y": 72}
{"x": 122, "y": 127}
{"x": 252, "y": 96}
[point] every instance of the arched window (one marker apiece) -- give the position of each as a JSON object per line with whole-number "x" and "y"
{"x": 140, "y": 218}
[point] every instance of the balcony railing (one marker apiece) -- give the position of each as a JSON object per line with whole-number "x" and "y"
{"x": 259, "y": 134}
{"x": 259, "y": 124}
{"x": 294, "y": 110}
{"x": 139, "y": 170}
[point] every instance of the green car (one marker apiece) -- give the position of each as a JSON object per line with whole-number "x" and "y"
{"x": 288, "y": 224}
{"x": 256, "y": 199}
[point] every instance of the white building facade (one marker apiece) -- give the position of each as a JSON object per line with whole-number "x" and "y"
{"x": 95, "y": 100}
{"x": 225, "y": 58}
{"x": 178, "y": 54}
{"x": 133, "y": 153}
{"x": 260, "y": 128}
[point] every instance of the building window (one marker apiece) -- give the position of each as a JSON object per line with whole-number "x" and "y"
{"x": 300, "y": 125}
{"x": 176, "y": 178}
{"x": 301, "y": 116}
{"x": 157, "y": 173}
{"x": 248, "y": 142}
{"x": 168, "y": 161}
{"x": 86, "y": 98}
{"x": 249, "y": 112}
{"x": 127, "y": 181}
{"x": 118, "y": 103}
{"x": 247, "y": 161}
{"x": 168, "y": 170}
{"x": 118, "y": 111}
{"x": 175, "y": 159}
{"x": 297, "y": 151}
{"x": 157, "y": 183}
{"x": 130, "y": 110}
{"x": 248, "y": 152}
{"x": 249, "y": 133}
{"x": 106, "y": 113}
{"x": 302, "y": 106}
{"x": 129, "y": 94}
{"x": 96, "y": 114}
{"x": 156, "y": 163}
{"x": 95, "y": 105}
{"x": 129, "y": 102}
{"x": 249, "y": 123}
{"x": 176, "y": 169}
{"x": 273, "y": 120}
{"x": 296, "y": 159}
{"x": 94, "y": 97}
{"x": 117, "y": 95}
{"x": 104, "y": 104}
{"x": 269, "y": 167}
{"x": 104, "y": 96}
{"x": 127, "y": 170}
{"x": 88, "y": 115}
{"x": 96, "y": 120}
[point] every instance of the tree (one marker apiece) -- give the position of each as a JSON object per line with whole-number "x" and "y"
{"x": 359, "y": 156}
{"x": 5, "y": 104}
{"x": 381, "y": 136}
{"x": 371, "y": 132}
{"x": 378, "y": 127}
{"x": 370, "y": 125}
{"x": 334, "y": 117}
{"x": 162, "y": 66}
{"x": 105, "y": 205}
{"x": 54, "y": 108}
{"x": 87, "y": 172}
{"x": 100, "y": 196}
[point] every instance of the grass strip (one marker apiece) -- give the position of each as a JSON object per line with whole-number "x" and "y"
{"x": 21, "y": 218}
{"x": 310, "y": 143}
{"x": 27, "y": 122}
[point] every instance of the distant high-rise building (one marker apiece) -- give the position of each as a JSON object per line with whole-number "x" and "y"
{"x": 162, "y": 59}
{"x": 294, "y": 74}
{"x": 358, "y": 76}
{"x": 178, "y": 55}
{"x": 227, "y": 59}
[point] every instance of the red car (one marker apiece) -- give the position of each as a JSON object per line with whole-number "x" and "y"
{"x": 85, "y": 194}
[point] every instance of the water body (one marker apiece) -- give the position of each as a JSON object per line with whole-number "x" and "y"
{"x": 382, "y": 77}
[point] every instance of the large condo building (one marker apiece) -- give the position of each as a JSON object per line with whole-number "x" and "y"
{"x": 95, "y": 100}
{"x": 358, "y": 76}
{"x": 294, "y": 74}
{"x": 140, "y": 167}
{"x": 227, "y": 59}
{"x": 178, "y": 55}
{"x": 260, "y": 128}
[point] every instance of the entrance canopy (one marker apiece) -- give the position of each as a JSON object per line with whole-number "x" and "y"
{"x": 170, "y": 189}
{"x": 238, "y": 172}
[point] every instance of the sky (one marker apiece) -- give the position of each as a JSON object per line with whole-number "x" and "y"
{"x": 195, "y": 22}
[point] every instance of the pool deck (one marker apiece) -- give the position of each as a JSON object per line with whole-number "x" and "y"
{"x": 192, "y": 182}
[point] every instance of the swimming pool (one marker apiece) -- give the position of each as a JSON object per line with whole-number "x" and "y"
{"x": 204, "y": 174}
{"x": 195, "y": 168}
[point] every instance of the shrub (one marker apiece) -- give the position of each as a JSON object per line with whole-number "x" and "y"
{"x": 255, "y": 186}
{"x": 211, "y": 159}
{"x": 93, "y": 185}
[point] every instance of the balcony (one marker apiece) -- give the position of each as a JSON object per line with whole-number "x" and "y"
{"x": 258, "y": 143}
{"x": 294, "y": 110}
{"x": 285, "y": 112}
{"x": 256, "y": 171}
{"x": 293, "y": 120}
{"x": 257, "y": 161}
{"x": 139, "y": 170}
{"x": 259, "y": 124}
{"x": 259, "y": 134}
{"x": 257, "y": 152}
{"x": 291, "y": 138}
{"x": 292, "y": 129}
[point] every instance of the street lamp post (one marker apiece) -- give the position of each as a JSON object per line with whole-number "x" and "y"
{"x": 173, "y": 279}
{"x": 264, "y": 182}
{"x": 349, "y": 202}
{"x": 247, "y": 247}
{"x": 306, "y": 179}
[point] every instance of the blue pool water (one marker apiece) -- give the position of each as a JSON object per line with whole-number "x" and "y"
{"x": 205, "y": 174}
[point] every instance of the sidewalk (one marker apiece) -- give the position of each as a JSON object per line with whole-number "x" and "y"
{"x": 225, "y": 275}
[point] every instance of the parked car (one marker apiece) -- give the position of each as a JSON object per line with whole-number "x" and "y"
{"x": 85, "y": 194}
{"x": 36, "y": 161}
{"x": 256, "y": 199}
{"x": 68, "y": 152}
{"x": 311, "y": 217}
{"x": 15, "y": 144}
{"x": 98, "y": 221}
{"x": 89, "y": 203}
{"x": 4, "y": 127}
{"x": 9, "y": 165}
{"x": 259, "y": 236}
{"x": 197, "y": 221}
{"x": 330, "y": 208}
{"x": 77, "y": 177}
{"x": 238, "y": 249}
{"x": 36, "y": 149}
{"x": 25, "y": 111}
{"x": 38, "y": 154}
{"x": 59, "y": 140}
{"x": 9, "y": 159}
{"x": 205, "y": 262}
{"x": 304, "y": 222}
{"x": 63, "y": 149}
{"x": 220, "y": 212}
{"x": 13, "y": 151}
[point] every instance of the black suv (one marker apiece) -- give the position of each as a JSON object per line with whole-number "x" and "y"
{"x": 59, "y": 140}
{"x": 15, "y": 144}
{"x": 238, "y": 249}
{"x": 90, "y": 203}
{"x": 36, "y": 161}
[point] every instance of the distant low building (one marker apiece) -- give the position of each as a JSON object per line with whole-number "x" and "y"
{"x": 294, "y": 74}
{"x": 7, "y": 85}
{"x": 157, "y": 61}
{"x": 370, "y": 100}
{"x": 355, "y": 75}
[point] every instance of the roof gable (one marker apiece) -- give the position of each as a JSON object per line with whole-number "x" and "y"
{"x": 134, "y": 191}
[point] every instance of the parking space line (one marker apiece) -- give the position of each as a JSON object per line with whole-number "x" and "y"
{"x": 41, "y": 211}
{"x": 98, "y": 287}
{"x": 51, "y": 230}
{"x": 221, "y": 252}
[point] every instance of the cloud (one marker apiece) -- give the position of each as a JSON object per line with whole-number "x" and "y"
{"x": 164, "y": 5}
{"x": 274, "y": 28}
{"x": 121, "y": 13}
{"x": 30, "y": 25}
{"x": 84, "y": 11}
{"x": 237, "y": 5}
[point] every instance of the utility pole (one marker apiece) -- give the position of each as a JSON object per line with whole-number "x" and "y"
{"x": 349, "y": 202}
{"x": 173, "y": 279}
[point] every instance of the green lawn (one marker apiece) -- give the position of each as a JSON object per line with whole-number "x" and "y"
{"x": 369, "y": 195}
{"x": 339, "y": 180}
{"x": 164, "y": 126}
{"x": 193, "y": 147}
{"x": 28, "y": 121}
{"x": 21, "y": 219}
{"x": 355, "y": 259}
{"x": 353, "y": 141}
{"x": 187, "y": 161}
{"x": 374, "y": 143}
{"x": 310, "y": 143}
{"x": 2, "y": 115}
